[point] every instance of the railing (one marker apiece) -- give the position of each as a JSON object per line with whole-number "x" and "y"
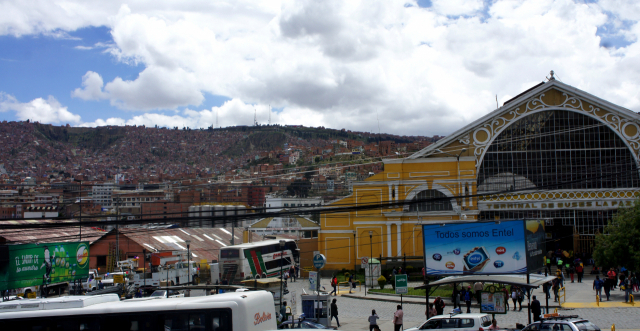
{"x": 564, "y": 294}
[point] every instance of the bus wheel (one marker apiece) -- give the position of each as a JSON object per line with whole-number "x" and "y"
{"x": 26, "y": 293}
{"x": 257, "y": 276}
{"x": 264, "y": 275}
{"x": 172, "y": 283}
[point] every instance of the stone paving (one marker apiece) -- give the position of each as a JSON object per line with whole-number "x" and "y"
{"x": 354, "y": 311}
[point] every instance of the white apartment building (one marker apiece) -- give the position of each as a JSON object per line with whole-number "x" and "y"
{"x": 101, "y": 194}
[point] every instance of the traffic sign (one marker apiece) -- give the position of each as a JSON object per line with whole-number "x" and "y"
{"x": 319, "y": 261}
{"x": 118, "y": 279}
{"x": 364, "y": 262}
{"x": 401, "y": 284}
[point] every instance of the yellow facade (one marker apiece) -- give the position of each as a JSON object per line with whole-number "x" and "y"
{"x": 451, "y": 167}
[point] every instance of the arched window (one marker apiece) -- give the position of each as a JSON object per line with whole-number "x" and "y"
{"x": 430, "y": 200}
{"x": 557, "y": 149}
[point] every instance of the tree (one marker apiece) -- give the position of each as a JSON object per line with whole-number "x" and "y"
{"x": 299, "y": 188}
{"x": 619, "y": 244}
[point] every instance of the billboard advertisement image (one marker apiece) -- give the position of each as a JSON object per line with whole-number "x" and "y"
{"x": 475, "y": 248}
{"x": 536, "y": 248}
{"x": 45, "y": 263}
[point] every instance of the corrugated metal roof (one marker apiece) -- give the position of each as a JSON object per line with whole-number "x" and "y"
{"x": 63, "y": 234}
{"x": 205, "y": 242}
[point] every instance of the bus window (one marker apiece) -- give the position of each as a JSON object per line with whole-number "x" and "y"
{"x": 229, "y": 254}
{"x": 176, "y": 322}
{"x": 221, "y": 320}
{"x": 197, "y": 321}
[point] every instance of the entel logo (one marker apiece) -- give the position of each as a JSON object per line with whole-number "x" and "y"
{"x": 450, "y": 265}
{"x": 501, "y": 250}
{"x": 259, "y": 319}
{"x": 498, "y": 264}
{"x": 437, "y": 257}
{"x": 475, "y": 258}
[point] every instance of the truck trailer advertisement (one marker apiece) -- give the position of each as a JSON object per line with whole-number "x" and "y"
{"x": 475, "y": 248}
{"x": 43, "y": 264}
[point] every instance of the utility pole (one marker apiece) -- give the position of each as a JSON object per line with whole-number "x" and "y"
{"x": 80, "y": 210}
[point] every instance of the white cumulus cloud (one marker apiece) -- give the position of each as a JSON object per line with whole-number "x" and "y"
{"x": 39, "y": 109}
{"x": 346, "y": 64}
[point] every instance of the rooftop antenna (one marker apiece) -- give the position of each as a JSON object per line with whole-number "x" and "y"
{"x": 497, "y": 102}
{"x": 255, "y": 117}
{"x": 377, "y": 118}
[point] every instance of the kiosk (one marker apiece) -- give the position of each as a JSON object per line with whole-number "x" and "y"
{"x": 317, "y": 308}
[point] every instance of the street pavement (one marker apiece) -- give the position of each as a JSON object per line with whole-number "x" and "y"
{"x": 354, "y": 309}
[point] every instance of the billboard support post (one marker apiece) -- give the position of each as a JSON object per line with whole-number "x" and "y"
{"x": 529, "y": 298}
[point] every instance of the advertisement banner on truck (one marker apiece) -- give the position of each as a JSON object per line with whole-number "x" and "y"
{"x": 475, "y": 248}
{"x": 43, "y": 264}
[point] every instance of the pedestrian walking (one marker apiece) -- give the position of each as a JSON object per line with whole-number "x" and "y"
{"x": 546, "y": 287}
{"x": 597, "y": 285}
{"x": 352, "y": 283}
{"x": 580, "y": 271}
{"x": 607, "y": 287}
{"x": 571, "y": 270}
{"x": 455, "y": 296}
{"x": 334, "y": 312}
{"x": 506, "y": 295}
{"x": 514, "y": 296}
{"x": 536, "y": 309}
{"x": 467, "y": 299}
{"x": 622, "y": 278}
{"x": 634, "y": 280}
{"x": 397, "y": 319}
{"x": 431, "y": 311}
{"x": 520, "y": 298}
{"x": 611, "y": 275}
{"x": 334, "y": 284}
{"x": 477, "y": 288}
{"x": 292, "y": 273}
{"x": 439, "y": 303}
{"x": 628, "y": 289}
{"x": 555, "y": 286}
{"x": 373, "y": 320}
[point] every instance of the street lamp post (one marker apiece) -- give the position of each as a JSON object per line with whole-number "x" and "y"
{"x": 281, "y": 275}
{"x": 370, "y": 260}
{"x": 457, "y": 166}
{"x": 355, "y": 256}
{"x": 144, "y": 266}
{"x": 188, "y": 242}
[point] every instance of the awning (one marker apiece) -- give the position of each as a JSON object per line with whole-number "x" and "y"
{"x": 520, "y": 280}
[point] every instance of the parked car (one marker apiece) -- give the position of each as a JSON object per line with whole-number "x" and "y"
{"x": 562, "y": 323}
{"x": 459, "y": 322}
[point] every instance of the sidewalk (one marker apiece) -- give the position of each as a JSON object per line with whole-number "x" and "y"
{"x": 582, "y": 295}
{"x": 421, "y": 300}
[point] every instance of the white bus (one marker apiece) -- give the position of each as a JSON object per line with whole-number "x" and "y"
{"x": 252, "y": 310}
{"x": 256, "y": 260}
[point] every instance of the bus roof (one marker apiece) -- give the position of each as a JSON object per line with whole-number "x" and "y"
{"x": 256, "y": 244}
{"x": 105, "y": 304}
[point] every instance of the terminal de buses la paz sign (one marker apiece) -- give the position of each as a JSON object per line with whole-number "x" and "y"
{"x": 497, "y": 247}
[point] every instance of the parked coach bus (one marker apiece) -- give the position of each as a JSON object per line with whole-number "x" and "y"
{"x": 257, "y": 260}
{"x": 251, "y": 310}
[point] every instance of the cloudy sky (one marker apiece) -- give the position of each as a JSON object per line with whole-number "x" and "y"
{"x": 421, "y": 67}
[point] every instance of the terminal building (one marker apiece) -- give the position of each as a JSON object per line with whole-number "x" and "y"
{"x": 552, "y": 153}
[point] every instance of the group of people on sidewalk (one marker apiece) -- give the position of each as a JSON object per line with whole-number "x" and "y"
{"x": 622, "y": 278}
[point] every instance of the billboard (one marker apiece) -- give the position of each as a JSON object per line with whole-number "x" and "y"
{"x": 45, "y": 263}
{"x": 536, "y": 248}
{"x": 475, "y": 248}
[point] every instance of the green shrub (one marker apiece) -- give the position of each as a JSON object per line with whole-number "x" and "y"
{"x": 382, "y": 282}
